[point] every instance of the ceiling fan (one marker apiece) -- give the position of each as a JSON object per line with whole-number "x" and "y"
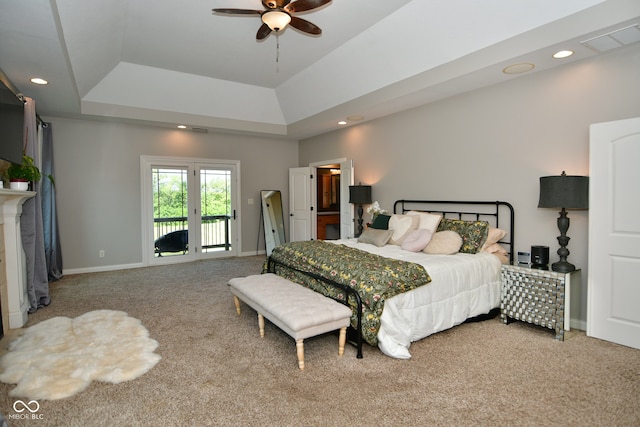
{"x": 279, "y": 13}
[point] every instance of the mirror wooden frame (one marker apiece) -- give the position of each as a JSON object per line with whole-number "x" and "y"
{"x": 273, "y": 219}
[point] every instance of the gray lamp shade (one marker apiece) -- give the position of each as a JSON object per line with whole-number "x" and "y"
{"x": 564, "y": 191}
{"x": 360, "y": 194}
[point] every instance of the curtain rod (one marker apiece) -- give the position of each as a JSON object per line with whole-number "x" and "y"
{"x": 23, "y": 98}
{"x": 4, "y": 79}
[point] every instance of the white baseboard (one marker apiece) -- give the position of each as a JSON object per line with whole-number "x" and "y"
{"x": 254, "y": 253}
{"x": 578, "y": 324}
{"x": 135, "y": 265}
{"x": 101, "y": 268}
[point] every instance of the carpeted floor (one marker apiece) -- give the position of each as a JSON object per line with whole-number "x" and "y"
{"x": 216, "y": 371}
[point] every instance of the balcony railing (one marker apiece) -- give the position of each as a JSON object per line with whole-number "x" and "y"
{"x": 214, "y": 232}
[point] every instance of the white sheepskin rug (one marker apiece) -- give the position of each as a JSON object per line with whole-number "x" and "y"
{"x": 59, "y": 357}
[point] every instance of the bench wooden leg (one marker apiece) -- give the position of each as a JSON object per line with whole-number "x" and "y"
{"x": 342, "y": 340}
{"x": 300, "y": 350}
{"x": 236, "y": 301}
{"x": 261, "y": 324}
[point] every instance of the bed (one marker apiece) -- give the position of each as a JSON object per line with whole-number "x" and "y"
{"x": 399, "y": 294}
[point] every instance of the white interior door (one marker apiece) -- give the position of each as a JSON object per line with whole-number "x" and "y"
{"x": 346, "y": 208}
{"x": 614, "y": 233}
{"x": 302, "y": 198}
{"x": 300, "y": 224}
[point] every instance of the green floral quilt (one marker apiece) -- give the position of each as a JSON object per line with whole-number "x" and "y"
{"x": 374, "y": 277}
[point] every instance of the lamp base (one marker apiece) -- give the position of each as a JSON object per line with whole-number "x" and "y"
{"x": 563, "y": 267}
{"x": 360, "y": 220}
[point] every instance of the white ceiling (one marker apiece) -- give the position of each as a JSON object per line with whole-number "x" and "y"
{"x": 168, "y": 62}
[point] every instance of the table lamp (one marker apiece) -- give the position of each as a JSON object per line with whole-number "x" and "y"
{"x": 360, "y": 195}
{"x": 564, "y": 192}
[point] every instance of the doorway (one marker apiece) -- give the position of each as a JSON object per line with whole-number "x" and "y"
{"x": 328, "y": 202}
{"x": 303, "y": 199}
{"x": 189, "y": 209}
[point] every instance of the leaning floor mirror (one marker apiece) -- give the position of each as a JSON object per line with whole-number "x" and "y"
{"x": 273, "y": 218}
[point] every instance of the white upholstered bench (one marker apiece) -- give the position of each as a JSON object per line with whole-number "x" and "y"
{"x": 300, "y": 312}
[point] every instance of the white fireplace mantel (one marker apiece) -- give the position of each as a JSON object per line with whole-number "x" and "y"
{"x": 13, "y": 289}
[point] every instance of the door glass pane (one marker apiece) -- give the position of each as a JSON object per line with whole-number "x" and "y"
{"x": 170, "y": 211}
{"x": 215, "y": 209}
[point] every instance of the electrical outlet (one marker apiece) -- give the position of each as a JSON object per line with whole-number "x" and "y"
{"x": 101, "y": 253}
{"x": 249, "y": 201}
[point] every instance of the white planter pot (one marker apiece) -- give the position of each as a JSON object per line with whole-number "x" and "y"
{"x": 19, "y": 185}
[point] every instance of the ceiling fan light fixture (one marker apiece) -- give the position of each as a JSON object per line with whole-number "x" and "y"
{"x": 276, "y": 20}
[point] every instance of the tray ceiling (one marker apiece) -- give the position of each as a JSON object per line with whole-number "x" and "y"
{"x": 165, "y": 63}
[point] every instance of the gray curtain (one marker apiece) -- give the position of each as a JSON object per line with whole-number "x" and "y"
{"x": 52, "y": 251}
{"x": 31, "y": 221}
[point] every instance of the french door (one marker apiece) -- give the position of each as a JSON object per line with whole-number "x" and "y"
{"x": 189, "y": 209}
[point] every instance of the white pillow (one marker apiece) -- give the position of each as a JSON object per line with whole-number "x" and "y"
{"x": 401, "y": 225}
{"x": 416, "y": 240}
{"x": 446, "y": 242}
{"x": 428, "y": 220}
{"x": 498, "y": 251}
{"x": 493, "y": 236}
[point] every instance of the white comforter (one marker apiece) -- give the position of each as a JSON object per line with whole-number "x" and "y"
{"x": 462, "y": 286}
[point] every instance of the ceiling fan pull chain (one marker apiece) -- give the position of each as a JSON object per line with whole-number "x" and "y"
{"x": 277, "y": 53}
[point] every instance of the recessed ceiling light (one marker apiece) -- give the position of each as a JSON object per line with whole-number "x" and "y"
{"x": 518, "y": 68}
{"x": 182, "y": 127}
{"x": 342, "y": 122}
{"x": 355, "y": 118}
{"x": 39, "y": 81}
{"x": 563, "y": 54}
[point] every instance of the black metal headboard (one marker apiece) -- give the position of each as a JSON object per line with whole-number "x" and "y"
{"x": 498, "y": 214}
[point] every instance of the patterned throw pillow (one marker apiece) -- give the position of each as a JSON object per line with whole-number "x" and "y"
{"x": 473, "y": 233}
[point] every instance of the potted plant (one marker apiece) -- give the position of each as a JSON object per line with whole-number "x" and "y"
{"x": 20, "y": 176}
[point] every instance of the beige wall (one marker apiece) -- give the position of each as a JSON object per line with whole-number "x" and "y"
{"x": 494, "y": 144}
{"x": 97, "y": 171}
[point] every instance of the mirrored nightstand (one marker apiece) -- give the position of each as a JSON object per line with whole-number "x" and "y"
{"x": 540, "y": 297}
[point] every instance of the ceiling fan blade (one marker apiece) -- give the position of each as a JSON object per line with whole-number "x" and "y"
{"x": 305, "y": 26}
{"x": 238, "y": 11}
{"x": 302, "y": 5}
{"x": 263, "y": 32}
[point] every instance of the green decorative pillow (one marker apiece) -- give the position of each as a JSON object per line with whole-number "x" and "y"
{"x": 473, "y": 233}
{"x": 381, "y": 222}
